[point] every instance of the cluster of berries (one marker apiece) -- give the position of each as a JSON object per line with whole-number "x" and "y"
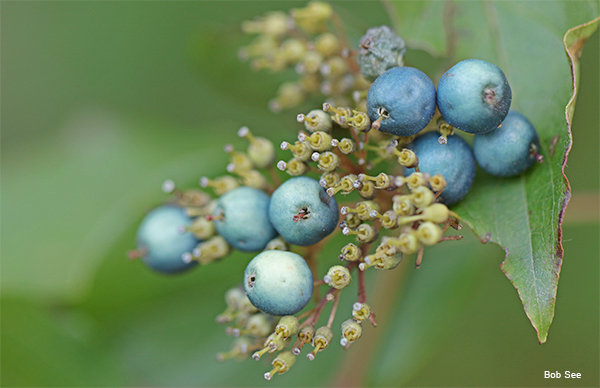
{"x": 394, "y": 188}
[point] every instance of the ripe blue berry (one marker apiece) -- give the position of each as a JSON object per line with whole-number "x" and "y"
{"x": 162, "y": 240}
{"x": 474, "y": 96}
{"x": 453, "y": 160}
{"x": 402, "y": 101}
{"x": 278, "y": 282}
{"x": 508, "y": 150}
{"x": 241, "y": 217}
{"x": 302, "y": 211}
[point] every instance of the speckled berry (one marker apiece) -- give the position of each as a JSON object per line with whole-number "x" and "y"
{"x": 474, "y": 96}
{"x": 453, "y": 160}
{"x": 302, "y": 211}
{"x": 508, "y": 150}
{"x": 241, "y": 217}
{"x": 379, "y": 50}
{"x": 162, "y": 241}
{"x": 401, "y": 101}
{"x": 278, "y": 282}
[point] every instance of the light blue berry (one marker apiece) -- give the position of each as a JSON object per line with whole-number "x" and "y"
{"x": 403, "y": 98}
{"x": 245, "y": 221}
{"x": 302, "y": 211}
{"x": 161, "y": 238}
{"x": 453, "y": 160}
{"x": 278, "y": 282}
{"x": 474, "y": 96}
{"x": 508, "y": 150}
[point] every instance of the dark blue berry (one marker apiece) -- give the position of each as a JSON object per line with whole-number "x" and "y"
{"x": 403, "y": 100}
{"x": 474, "y": 96}
{"x": 453, "y": 160}
{"x": 508, "y": 150}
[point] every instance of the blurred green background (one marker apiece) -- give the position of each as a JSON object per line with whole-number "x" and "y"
{"x": 102, "y": 101}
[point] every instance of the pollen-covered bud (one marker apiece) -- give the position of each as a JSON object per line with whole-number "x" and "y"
{"x": 416, "y": 179}
{"x": 329, "y": 179}
{"x": 239, "y": 349}
{"x": 346, "y": 146}
{"x": 253, "y": 178}
{"x": 352, "y": 220}
{"x": 321, "y": 341}
{"x": 295, "y": 167}
{"x": 364, "y": 208}
{"x": 389, "y": 262}
{"x": 367, "y": 191}
{"x": 340, "y": 114}
{"x": 300, "y": 150}
{"x": 338, "y": 277}
{"x": 220, "y": 185}
{"x": 202, "y": 228}
{"x": 259, "y": 326}
{"x": 437, "y": 183}
{"x": 407, "y": 158}
{"x": 313, "y": 18}
{"x": 281, "y": 364}
{"x": 310, "y": 63}
{"x": 210, "y": 250}
{"x": 359, "y": 121}
{"x": 316, "y": 120}
{"x": 193, "y": 198}
{"x": 351, "y": 252}
{"x": 273, "y": 24}
{"x": 319, "y": 141}
{"x": 271, "y": 346}
{"x": 277, "y": 243}
{"x": 261, "y": 151}
{"x": 291, "y": 50}
{"x": 361, "y": 311}
{"x": 403, "y": 205}
{"x": 389, "y": 219}
{"x": 345, "y": 185}
{"x": 287, "y": 327}
{"x": 408, "y": 242}
{"x": 334, "y": 67}
{"x": 429, "y": 233}
{"x": 351, "y": 331}
{"x": 289, "y": 95}
{"x": 422, "y": 197}
{"x": 379, "y": 50}
{"x": 328, "y": 161}
{"x": 327, "y": 44}
{"x": 233, "y": 298}
{"x": 305, "y": 336}
{"x": 365, "y": 233}
{"x": 436, "y": 213}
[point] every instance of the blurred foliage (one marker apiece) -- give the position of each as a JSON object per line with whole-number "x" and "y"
{"x": 104, "y": 100}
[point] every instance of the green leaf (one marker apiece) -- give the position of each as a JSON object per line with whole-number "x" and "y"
{"x": 523, "y": 214}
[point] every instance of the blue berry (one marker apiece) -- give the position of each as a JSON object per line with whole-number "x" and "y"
{"x": 278, "y": 282}
{"x": 474, "y": 96}
{"x": 162, "y": 241}
{"x": 508, "y": 150}
{"x": 302, "y": 211}
{"x": 241, "y": 217}
{"x": 453, "y": 160}
{"x": 403, "y": 100}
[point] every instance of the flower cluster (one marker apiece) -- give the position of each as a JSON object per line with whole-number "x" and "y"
{"x": 392, "y": 185}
